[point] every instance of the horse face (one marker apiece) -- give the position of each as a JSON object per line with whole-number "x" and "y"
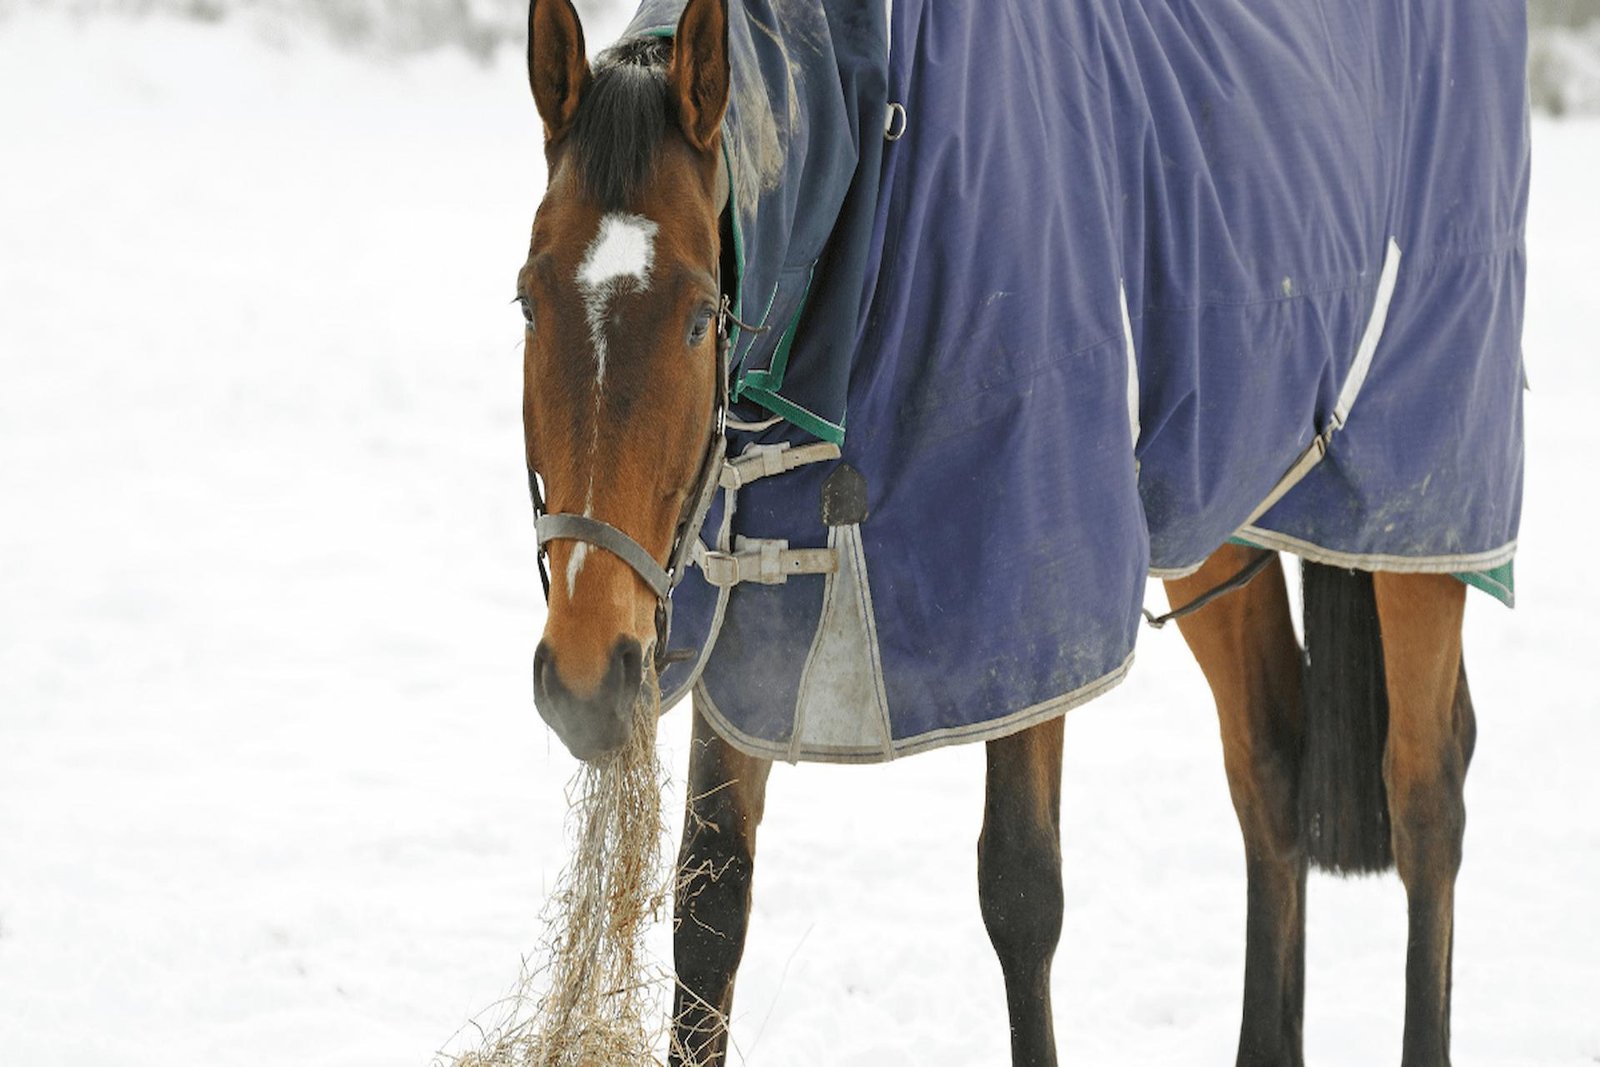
{"x": 620, "y": 292}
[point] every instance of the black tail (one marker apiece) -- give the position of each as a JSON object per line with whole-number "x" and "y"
{"x": 1344, "y": 808}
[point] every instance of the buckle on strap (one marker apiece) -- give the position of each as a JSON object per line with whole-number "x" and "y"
{"x": 763, "y": 461}
{"x": 763, "y": 561}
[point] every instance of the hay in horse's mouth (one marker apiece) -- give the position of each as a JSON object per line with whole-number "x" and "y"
{"x": 590, "y": 996}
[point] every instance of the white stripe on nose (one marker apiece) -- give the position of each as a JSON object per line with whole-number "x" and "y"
{"x": 619, "y": 258}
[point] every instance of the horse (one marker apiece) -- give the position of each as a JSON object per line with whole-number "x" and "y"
{"x": 1348, "y": 753}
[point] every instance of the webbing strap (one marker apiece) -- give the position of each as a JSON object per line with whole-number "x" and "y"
{"x": 763, "y": 461}
{"x": 765, "y": 562}
{"x": 566, "y": 527}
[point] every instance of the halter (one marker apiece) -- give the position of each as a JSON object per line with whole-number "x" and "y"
{"x": 660, "y": 579}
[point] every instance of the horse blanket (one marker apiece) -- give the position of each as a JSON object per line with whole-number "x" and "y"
{"x": 1124, "y": 280}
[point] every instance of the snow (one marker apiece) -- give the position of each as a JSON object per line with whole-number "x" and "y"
{"x": 272, "y": 788}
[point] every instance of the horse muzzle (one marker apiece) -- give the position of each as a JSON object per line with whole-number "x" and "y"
{"x": 597, "y": 725}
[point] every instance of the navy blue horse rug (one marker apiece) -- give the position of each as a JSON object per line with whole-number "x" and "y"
{"x": 1055, "y": 296}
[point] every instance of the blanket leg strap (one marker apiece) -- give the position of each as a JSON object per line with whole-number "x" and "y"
{"x": 1237, "y": 582}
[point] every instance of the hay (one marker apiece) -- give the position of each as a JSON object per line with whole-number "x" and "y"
{"x": 593, "y": 999}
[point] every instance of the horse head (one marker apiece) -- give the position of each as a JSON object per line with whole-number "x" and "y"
{"x": 621, "y": 293}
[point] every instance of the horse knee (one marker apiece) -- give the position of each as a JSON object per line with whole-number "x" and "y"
{"x": 1427, "y": 808}
{"x": 1263, "y": 786}
{"x": 712, "y": 899}
{"x": 1020, "y": 895}
{"x": 1425, "y": 772}
{"x": 1427, "y": 819}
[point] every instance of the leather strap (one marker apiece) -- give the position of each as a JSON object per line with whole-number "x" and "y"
{"x": 1246, "y": 575}
{"x": 566, "y": 527}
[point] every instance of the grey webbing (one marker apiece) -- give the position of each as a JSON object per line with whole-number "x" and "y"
{"x": 764, "y": 562}
{"x": 565, "y": 527}
{"x": 764, "y": 461}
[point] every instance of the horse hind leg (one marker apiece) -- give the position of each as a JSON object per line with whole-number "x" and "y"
{"x": 727, "y": 796}
{"x": 1246, "y": 647}
{"x": 1019, "y": 880}
{"x": 1432, "y": 730}
{"x": 1389, "y": 733}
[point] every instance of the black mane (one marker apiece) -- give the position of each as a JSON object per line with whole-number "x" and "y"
{"x": 621, "y": 120}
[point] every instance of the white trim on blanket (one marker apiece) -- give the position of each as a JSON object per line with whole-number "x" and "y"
{"x": 1369, "y": 338}
{"x": 994, "y": 729}
{"x": 724, "y": 542}
{"x": 1133, "y": 362}
{"x": 1354, "y": 379}
{"x": 1465, "y": 562}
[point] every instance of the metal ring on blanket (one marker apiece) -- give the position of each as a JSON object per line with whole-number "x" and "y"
{"x": 895, "y": 122}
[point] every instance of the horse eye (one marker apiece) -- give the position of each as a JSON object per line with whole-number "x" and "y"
{"x": 527, "y": 311}
{"x": 700, "y": 327}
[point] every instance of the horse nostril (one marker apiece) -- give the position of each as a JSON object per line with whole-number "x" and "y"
{"x": 627, "y": 667}
{"x": 543, "y": 663}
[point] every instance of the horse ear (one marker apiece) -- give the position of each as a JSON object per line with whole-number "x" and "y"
{"x": 558, "y": 67}
{"x": 699, "y": 74}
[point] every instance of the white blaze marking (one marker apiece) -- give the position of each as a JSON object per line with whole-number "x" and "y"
{"x": 618, "y": 260}
{"x": 575, "y": 564}
{"x": 580, "y": 551}
{"x": 623, "y": 247}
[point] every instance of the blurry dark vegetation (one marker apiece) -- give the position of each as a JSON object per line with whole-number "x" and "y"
{"x": 1563, "y": 61}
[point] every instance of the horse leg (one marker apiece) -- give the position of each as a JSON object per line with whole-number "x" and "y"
{"x": 1246, "y": 647}
{"x": 1430, "y": 738}
{"x": 727, "y": 795}
{"x": 1019, "y": 880}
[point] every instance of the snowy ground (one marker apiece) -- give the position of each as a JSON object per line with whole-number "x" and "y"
{"x": 272, "y": 789}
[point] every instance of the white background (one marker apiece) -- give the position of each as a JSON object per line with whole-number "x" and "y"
{"x": 272, "y": 787}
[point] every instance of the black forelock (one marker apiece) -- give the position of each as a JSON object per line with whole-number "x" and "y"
{"x": 622, "y": 119}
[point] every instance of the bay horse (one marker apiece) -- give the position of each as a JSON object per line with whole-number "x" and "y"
{"x": 1348, "y": 754}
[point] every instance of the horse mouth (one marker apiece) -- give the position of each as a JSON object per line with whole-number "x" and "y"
{"x": 597, "y": 725}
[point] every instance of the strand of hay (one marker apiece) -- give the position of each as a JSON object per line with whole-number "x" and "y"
{"x": 592, "y": 1001}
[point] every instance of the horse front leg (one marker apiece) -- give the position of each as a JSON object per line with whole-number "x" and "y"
{"x": 1019, "y": 880}
{"x": 1430, "y": 739}
{"x": 1246, "y": 647}
{"x": 727, "y": 795}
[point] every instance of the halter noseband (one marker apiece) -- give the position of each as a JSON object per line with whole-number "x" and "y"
{"x": 660, "y": 579}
